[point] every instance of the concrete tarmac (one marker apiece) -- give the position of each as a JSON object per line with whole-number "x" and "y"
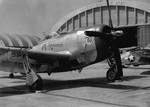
{"x": 86, "y": 89}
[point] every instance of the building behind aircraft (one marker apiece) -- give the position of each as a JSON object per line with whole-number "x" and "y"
{"x": 35, "y": 17}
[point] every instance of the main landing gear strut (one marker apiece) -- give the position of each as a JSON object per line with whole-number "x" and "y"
{"x": 33, "y": 80}
{"x": 115, "y": 71}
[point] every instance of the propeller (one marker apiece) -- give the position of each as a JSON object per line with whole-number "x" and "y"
{"x": 118, "y": 33}
{"x": 110, "y": 36}
{"x": 114, "y": 46}
{"x": 110, "y": 20}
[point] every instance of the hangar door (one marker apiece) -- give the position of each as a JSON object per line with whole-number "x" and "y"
{"x": 129, "y": 37}
{"x": 143, "y": 35}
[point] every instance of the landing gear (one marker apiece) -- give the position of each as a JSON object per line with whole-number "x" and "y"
{"x": 115, "y": 72}
{"x": 11, "y": 75}
{"x": 33, "y": 80}
{"x": 38, "y": 85}
{"x": 112, "y": 75}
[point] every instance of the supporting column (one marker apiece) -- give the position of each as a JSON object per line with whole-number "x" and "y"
{"x": 93, "y": 16}
{"x": 101, "y": 15}
{"x": 145, "y": 17}
{"x": 86, "y": 18}
{"x": 73, "y": 24}
{"x": 135, "y": 16}
{"x": 117, "y": 13}
{"x": 126, "y": 10}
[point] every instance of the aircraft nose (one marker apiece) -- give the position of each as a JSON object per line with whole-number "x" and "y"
{"x": 102, "y": 48}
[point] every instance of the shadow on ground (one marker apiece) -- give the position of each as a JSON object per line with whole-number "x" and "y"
{"x": 89, "y": 82}
{"x": 50, "y": 85}
{"x": 145, "y": 73}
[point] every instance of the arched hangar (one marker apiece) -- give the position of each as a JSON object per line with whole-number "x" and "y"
{"x": 19, "y": 40}
{"x": 133, "y": 17}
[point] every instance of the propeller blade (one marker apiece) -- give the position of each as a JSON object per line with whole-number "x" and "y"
{"x": 93, "y": 33}
{"x": 110, "y": 20}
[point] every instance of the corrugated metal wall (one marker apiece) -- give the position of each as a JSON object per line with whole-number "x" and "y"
{"x": 143, "y": 33}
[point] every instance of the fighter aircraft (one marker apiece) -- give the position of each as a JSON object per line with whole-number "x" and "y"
{"x": 136, "y": 56}
{"x": 63, "y": 52}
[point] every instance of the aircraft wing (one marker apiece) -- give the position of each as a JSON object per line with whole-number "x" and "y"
{"x": 128, "y": 49}
{"x": 38, "y": 55}
{"x": 137, "y": 57}
{"x": 144, "y": 53}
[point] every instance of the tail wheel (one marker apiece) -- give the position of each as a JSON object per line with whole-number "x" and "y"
{"x": 38, "y": 85}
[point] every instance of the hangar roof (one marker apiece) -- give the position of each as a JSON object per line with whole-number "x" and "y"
{"x": 124, "y": 13}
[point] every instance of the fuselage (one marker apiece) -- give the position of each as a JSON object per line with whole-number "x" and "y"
{"x": 85, "y": 50}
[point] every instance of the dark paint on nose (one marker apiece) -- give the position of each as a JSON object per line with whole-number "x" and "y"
{"x": 103, "y": 43}
{"x": 102, "y": 49}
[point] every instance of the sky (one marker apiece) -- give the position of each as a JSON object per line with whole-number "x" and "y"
{"x": 36, "y": 16}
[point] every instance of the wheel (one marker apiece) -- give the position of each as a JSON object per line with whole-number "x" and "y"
{"x": 111, "y": 75}
{"x": 11, "y": 75}
{"x": 38, "y": 85}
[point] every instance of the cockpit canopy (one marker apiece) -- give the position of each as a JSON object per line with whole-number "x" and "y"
{"x": 52, "y": 35}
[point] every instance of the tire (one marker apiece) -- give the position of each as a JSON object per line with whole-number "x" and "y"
{"x": 111, "y": 75}
{"x": 11, "y": 75}
{"x": 38, "y": 85}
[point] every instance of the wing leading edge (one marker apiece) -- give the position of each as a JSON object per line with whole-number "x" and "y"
{"x": 38, "y": 55}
